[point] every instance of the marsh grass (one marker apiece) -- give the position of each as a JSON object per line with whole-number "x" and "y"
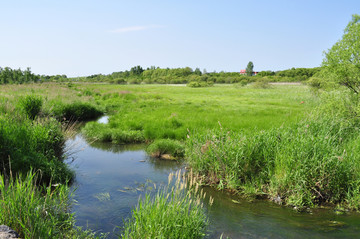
{"x": 26, "y": 144}
{"x": 31, "y": 105}
{"x": 166, "y": 146}
{"x": 38, "y": 212}
{"x": 175, "y": 211}
{"x": 101, "y": 132}
{"x": 306, "y": 164}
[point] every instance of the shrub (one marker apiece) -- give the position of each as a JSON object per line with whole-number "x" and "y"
{"x": 31, "y": 105}
{"x": 166, "y": 146}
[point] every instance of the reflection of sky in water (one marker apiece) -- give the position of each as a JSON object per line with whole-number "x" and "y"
{"x": 103, "y": 120}
{"x": 110, "y": 179}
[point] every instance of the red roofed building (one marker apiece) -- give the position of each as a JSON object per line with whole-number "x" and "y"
{"x": 243, "y": 72}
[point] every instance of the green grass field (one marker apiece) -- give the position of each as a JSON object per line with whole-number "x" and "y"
{"x": 163, "y": 111}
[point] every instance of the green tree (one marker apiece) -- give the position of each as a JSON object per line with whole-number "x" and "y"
{"x": 197, "y": 72}
{"x": 250, "y": 68}
{"x": 342, "y": 61}
{"x": 136, "y": 70}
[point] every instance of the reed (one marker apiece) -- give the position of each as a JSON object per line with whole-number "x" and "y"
{"x": 175, "y": 211}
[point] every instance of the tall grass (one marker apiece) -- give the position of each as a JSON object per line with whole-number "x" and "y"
{"x": 309, "y": 163}
{"x": 75, "y": 111}
{"x": 176, "y": 211}
{"x": 37, "y": 212}
{"x": 31, "y": 105}
{"x": 26, "y": 144}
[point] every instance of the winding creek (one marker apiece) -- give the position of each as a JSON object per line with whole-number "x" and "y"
{"x": 110, "y": 178}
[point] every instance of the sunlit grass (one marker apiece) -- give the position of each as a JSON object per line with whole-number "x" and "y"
{"x": 161, "y": 111}
{"x": 175, "y": 211}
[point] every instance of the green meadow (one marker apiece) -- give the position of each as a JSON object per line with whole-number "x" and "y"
{"x": 152, "y": 112}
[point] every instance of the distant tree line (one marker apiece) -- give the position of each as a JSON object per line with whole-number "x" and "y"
{"x": 157, "y": 75}
{"x": 18, "y": 76}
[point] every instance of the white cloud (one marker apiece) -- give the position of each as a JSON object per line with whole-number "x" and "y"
{"x": 135, "y": 28}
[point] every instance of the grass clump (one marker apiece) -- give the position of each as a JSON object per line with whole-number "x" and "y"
{"x": 102, "y": 132}
{"x": 31, "y": 105}
{"x": 171, "y": 147}
{"x": 77, "y": 111}
{"x": 174, "y": 212}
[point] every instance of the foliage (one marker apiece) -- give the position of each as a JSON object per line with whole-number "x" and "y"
{"x": 12, "y": 76}
{"x": 250, "y": 68}
{"x": 342, "y": 61}
{"x": 31, "y": 105}
{"x": 166, "y": 146}
{"x": 36, "y": 212}
{"x": 136, "y": 70}
{"x": 174, "y": 212}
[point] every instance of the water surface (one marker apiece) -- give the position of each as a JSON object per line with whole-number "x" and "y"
{"x": 110, "y": 178}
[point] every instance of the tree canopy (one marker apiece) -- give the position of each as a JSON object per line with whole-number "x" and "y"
{"x": 342, "y": 61}
{"x": 250, "y": 68}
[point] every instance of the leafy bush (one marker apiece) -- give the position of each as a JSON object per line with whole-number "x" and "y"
{"x": 31, "y": 105}
{"x": 166, "y": 146}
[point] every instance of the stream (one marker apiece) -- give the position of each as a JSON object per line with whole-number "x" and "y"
{"x": 111, "y": 178}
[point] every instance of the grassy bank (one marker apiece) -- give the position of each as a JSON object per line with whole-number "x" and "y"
{"x": 32, "y": 140}
{"x": 309, "y": 163}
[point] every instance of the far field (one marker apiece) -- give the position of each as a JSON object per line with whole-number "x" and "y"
{"x": 163, "y": 111}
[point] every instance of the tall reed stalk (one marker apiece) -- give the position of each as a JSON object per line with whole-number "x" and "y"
{"x": 176, "y": 211}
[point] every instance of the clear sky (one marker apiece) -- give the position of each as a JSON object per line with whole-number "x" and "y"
{"x": 84, "y": 37}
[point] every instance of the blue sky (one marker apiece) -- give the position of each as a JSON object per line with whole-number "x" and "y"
{"x": 81, "y": 37}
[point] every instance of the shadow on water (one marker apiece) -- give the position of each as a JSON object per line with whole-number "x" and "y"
{"x": 111, "y": 178}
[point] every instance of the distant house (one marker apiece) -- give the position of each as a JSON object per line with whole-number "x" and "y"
{"x": 243, "y": 72}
